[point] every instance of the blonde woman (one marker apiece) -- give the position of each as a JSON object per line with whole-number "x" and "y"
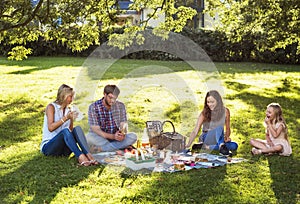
{"x": 59, "y": 136}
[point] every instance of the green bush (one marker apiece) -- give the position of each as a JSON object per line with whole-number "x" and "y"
{"x": 215, "y": 43}
{"x": 220, "y": 49}
{"x": 19, "y": 53}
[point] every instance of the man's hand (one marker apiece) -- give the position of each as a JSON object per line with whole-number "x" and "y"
{"x": 119, "y": 136}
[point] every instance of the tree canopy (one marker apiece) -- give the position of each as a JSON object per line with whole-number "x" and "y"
{"x": 270, "y": 24}
{"x": 77, "y": 24}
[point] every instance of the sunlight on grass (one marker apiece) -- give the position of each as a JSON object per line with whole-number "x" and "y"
{"x": 249, "y": 181}
{"x": 177, "y": 93}
{"x": 276, "y": 84}
{"x": 33, "y": 85}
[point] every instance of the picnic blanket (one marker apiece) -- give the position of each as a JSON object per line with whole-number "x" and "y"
{"x": 187, "y": 162}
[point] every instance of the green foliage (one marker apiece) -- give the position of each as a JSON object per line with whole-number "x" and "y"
{"x": 175, "y": 20}
{"x": 221, "y": 48}
{"x": 79, "y": 24}
{"x": 19, "y": 53}
{"x": 264, "y": 31}
{"x": 270, "y": 25}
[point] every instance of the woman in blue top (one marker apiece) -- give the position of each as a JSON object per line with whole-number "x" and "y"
{"x": 213, "y": 118}
{"x": 59, "y": 136}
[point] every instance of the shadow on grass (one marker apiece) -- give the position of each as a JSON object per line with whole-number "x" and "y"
{"x": 29, "y": 71}
{"x": 288, "y": 85}
{"x": 40, "y": 179}
{"x": 120, "y": 69}
{"x": 285, "y": 178}
{"x": 236, "y": 85}
{"x": 21, "y": 120}
{"x": 179, "y": 187}
{"x": 249, "y": 67}
{"x": 155, "y": 68}
{"x": 42, "y": 63}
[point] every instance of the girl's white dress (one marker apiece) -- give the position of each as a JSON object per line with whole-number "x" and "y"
{"x": 280, "y": 140}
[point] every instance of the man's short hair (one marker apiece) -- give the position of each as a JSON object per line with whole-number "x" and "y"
{"x": 113, "y": 89}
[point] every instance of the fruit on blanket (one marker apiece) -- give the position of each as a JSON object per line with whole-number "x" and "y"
{"x": 179, "y": 166}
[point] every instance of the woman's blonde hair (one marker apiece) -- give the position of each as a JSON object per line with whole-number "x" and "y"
{"x": 63, "y": 92}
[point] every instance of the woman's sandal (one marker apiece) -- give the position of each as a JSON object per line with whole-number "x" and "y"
{"x": 83, "y": 160}
{"x": 94, "y": 162}
{"x": 85, "y": 163}
{"x": 255, "y": 151}
{"x": 91, "y": 158}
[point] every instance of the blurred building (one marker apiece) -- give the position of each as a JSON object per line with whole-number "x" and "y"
{"x": 201, "y": 20}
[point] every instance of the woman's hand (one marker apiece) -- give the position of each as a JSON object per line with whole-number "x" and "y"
{"x": 227, "y": 139}
{"x": 72, "y": 115}
{"x": 187, "y": 146}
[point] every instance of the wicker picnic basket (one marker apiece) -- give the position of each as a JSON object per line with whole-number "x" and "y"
{"x": 165, "y": 140}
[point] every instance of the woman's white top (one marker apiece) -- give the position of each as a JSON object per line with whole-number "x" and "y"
{"x": 58, "y": 115}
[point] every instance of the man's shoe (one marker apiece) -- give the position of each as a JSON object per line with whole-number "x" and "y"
{"x": 224, "y": 150}
{"x": 197, "y": 147}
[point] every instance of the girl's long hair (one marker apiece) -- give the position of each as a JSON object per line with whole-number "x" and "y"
{"x": 62, "y": 93}
{"x": 218, "y": 111}
{"x": 279, "y": 117}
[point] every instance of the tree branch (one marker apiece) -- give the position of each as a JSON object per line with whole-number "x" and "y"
{"x": 145, "y": 22}
{"x": 24, "y": 23}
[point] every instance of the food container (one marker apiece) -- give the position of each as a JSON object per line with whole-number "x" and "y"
{"x": 134, "y": 164}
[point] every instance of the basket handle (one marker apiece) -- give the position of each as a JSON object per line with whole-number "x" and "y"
{"x": 167, "y": 121}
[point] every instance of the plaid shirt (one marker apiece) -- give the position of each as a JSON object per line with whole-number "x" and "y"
{"x": 108, "y": 120}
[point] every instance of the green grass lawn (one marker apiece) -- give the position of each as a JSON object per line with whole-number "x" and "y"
{"x": 151, "y": 90}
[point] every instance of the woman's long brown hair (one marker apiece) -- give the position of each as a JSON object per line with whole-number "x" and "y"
{"x": 218, "y": 111}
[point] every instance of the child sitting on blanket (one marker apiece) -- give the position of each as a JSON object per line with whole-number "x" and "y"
{"x": 276, "y": 134}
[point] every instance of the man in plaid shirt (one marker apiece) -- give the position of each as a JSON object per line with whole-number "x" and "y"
{"x": 108, "y": 123}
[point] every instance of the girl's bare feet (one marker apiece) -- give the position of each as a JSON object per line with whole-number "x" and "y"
{"x": 255, "y": 151}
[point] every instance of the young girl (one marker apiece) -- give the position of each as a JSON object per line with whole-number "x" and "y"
{"x": 212, "y": 119}
{"x": 59, "y": 136}
{"x": 276, "y": 134}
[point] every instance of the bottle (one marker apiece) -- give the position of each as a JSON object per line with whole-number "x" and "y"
{"x": 138, "y": 144}
{"x": 145, "y": 138}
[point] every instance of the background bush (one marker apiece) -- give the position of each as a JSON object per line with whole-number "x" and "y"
{"x": 215, "y": 43}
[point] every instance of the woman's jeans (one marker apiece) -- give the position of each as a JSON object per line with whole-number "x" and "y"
{"x": 66, "y": 142}
{"x": 214, "y": 138}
